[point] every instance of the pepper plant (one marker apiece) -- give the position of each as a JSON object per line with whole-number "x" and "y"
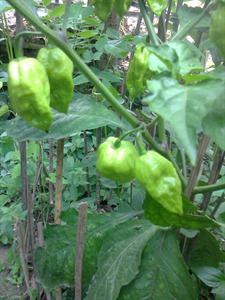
{"x": 171, "y": 246}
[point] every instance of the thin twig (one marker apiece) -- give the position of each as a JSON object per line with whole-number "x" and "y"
{"x": 168, "y": 14}
{"x": 208, "y": 188}
{"x": 196, "y": 169}
{"x": 149, "y": 26}
{"x": 87, "y": 169}
{"x": 162, "y": 27}
{"x": 40, "y": 234}
{"x": 219, "y": 201}
{"x": 214, "y": 175}
{"x": 81, "y": 228}
{"x": 22, "y": 254}
{"x": 59, "y": 177}
{"x": 98, "y": 186}
{"x": 51, "y": 160}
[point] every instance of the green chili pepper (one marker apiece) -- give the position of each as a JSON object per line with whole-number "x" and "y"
{"x": 138, "y": 72}
{"x": 59, "y": 69}
{"x": 29, "y": 91}
{"x": 116, "y": 159}
{"x": 158, "y": 176}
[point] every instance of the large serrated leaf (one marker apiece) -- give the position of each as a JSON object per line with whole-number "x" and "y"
{"x": 158, "y": 215}
{"x": 163, "y": 274}
{"x": 189, "y": 106}
{"x": 188, "y": 57}
{"x": 84, "y": 113}
{"x": 59, "y": 250}
{"x": 205, "y": 251}
{"x": 120, "y": 257}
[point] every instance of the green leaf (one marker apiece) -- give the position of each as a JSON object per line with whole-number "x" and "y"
{"x": 163, "y": 274}
{"x": 4, "y": 109}
{"x": 84, "y": 113}
{"x": 210, "y": 276}
{"x": 158, "y": 215}
{"x": 214, "y": 278}
{"x": 157, "y": 6}
{"x": 103, "y": 8}
{"x": 4, "y": 5}
{"x": 188, "y": 57}
{"x": 88, "y": 33}
{"x": 117, "y": 48}
{"x": 179, "y": 104}
{"x": 214, "y": 126}
{"x": 46, "y": 2}
{"x": 55, "y": 262}
{"x": 186, "y": 14}
{"x": 162, "y": 58}
{"x": 58, "y": 11}
{"x": 205, "y": 252}
{"x": 122, "y": 256}
{"x": 78, "y": 12}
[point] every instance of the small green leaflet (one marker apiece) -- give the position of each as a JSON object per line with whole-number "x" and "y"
{"x": 157, "y": 6}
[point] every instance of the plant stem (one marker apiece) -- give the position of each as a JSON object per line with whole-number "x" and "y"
{"x": 88, "y": 187}
{"x": 208, "y": 188}
{"x": 6, "y": 33}
{"x": 58, "y": 185}
{"x": 122, "y": 137}
{"x": 181, "y": 34}
{"x": 196, "y": 169}
{"x": 162, "y": 27}
{"x": 219, "y": 201}
{"x": 161, "y": 130}
{"x": 140, "y": 144}
{"x": 168, "y": 14}
{"x": 81, "y": 228}
{"x": 150, "y": 28}
{"x": 214, "y": 175}
{"x": 17, "y": 49}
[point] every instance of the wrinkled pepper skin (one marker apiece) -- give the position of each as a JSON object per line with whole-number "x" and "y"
{"x": 138, "y": 72}
{"x": 60, "y": 70}
{"x": 158, "y": 176}
{"x": 116, "y": 162}
{"x": 217, "y": 29}
{"x": 29, "y": 91}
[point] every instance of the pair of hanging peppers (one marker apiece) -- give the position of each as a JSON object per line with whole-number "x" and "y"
{"x": 36, "y": 85}
{"x": 120, "y": 161}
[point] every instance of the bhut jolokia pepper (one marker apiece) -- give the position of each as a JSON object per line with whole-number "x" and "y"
{"x": 59, "y": 69}
{"x": 217, "y": 28}
{"x": 138, "y": 72}
{"x": 115, "y": 160}
{"x": 29, "y": 91}
{"x": 158, "y": 176}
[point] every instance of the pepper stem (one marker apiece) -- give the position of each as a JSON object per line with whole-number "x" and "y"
{"x": 17, "y": 48}
{"x": 140, "y": 144}
{"x": 118, "y": 141}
